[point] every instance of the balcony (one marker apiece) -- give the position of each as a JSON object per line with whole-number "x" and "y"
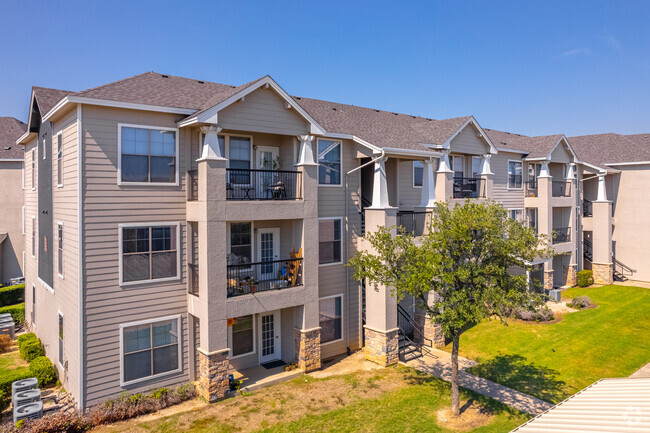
{"x": 248, "y": 185}
{"x": 469, "y": 187}
{"x": 561, "y": 235}
{"x": 411, "y": 223}
{"x": 531, "y": 188}
{"x": 561, "y": 188}
{"x": 248, "y": 278}
{"x": 587, "y": 208}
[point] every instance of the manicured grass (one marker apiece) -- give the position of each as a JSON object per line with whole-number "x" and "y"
{"x": 396, "y": 399}
{"x": 11, "y": 363}
{"x": 553, "y": 361}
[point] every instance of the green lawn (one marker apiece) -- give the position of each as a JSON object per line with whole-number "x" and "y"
{"x": 11, "y": 362}
{"x": 553, "y": 361}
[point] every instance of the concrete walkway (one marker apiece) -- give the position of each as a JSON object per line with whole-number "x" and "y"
{"x": 643, "y": 372}
{"x": 439, "y": 365}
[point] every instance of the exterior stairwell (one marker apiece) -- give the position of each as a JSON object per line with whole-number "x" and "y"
{"x": 412, "y": 343}
{"x": 621, "y": 270}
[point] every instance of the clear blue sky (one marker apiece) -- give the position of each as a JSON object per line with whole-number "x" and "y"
{"x": 534, "y": 67}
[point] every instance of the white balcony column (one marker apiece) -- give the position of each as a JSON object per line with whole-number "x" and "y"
{"x": 544, "y": 171}
{"x": 211, "y": 149}
{"x": 444, "y": 166}
{"x": 571, "y": 171}
{"x": 602, "y": 192}
{"x": 486, "y": 169}
{"x": 380, "y": 186}
{"x": 306, "y": 156}
{"x": 428, "y": 184}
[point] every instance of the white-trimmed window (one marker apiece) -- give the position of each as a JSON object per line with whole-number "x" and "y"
{"x": 239, "y": 158}
{"x": 33, "y": 304}
{"x": 150, "y": 348}
{"x": 330, "y": 318}
{"x": 241, "y": 243}
{"x": 60, "y": 338}
{"x": 458, "y": 165}
{"x": 149, "y": 252}
{"x": 418, "y": 174}
{"x": 60, "y": 249}
{"x": 329, "y": 161}
{"x": 516, "y": 214}
{"x": 531, "y": 217}
{"x": 242, "y": 336}
{"x": 34, "y": 237}
{"x": 23, "y": 221}
{"x": 515, "y": 174}
{"x": 59, "y": 159}
{"x": 329, "y": 240}
{"x": 476, "y": 167}
{"x": 33, "y": 169}
{"x": 147, "y": 155}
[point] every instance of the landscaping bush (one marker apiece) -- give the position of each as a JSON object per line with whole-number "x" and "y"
{"x": 585, "y": 278}
{"x": 5, "y": 343}
{"x": 11, "y": 295}
{"x": 541, "y": 314}
{"x": 8, "y": 377}
{"x": 125, "y": 407}
{"x": 4, "y": 401}
{"x": 42, "y": 369}
{"x": 24, "y": 337}
{"x": 17, "y": 312}
{"x": 30, "y": 348}
{"x": 580, "y": 302}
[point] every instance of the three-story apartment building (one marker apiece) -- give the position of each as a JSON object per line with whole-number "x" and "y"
{"x": 178, "y": 229}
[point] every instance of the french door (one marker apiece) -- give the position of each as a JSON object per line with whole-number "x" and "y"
{"x": 269, "y": 331}
{"x": 268, "y": 241}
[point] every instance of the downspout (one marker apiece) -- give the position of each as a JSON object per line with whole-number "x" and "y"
{"x": 80, "y": 288}
{"x": 347, "y": 254}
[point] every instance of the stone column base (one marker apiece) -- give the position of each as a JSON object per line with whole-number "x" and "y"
{"x": 428, "y": 331}
{"x": 213, "y": 375}
{"x": 382, "y": 347}
{"x": 307, "y": 343}
{"x": 603, "y": 273}
{"x": 572, "y": 276}
{"x": 548, "y": 280}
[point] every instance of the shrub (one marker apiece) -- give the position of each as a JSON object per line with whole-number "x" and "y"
{"x": 5, "y": 343}
{"x": 42, "y": 369}
{"x": 8, "y": 377}
{"x": 541, "y": 314}
{"x": 11, "y": 295}
{"x": 585, "y": 278}
{"x": 24, "y": 337}
{"x": 17, "y": 312}
{"x": 580, "y": 302}
{"x": 4, "y": 401}
{"x": 30, "y": 348}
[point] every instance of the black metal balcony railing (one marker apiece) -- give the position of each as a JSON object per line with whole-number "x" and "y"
{"x": 263, "y": 276}
{"x": 263, "y": 184}
{"x": 192, "y": 185}
{"x": 531, "y": 189}
{"x": 469, "y": 187}
{"x": 411, "y": 222}
{"x": 561, "y": 235}
{"x": 587, "y": 208}
{"x": 561, "y": 188}
{"x": 193, "y": 279}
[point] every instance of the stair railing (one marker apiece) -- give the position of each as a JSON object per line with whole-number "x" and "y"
{"x": 406, "y": 323}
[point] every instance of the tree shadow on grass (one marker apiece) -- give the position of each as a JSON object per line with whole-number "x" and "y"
{"x": 515, "y": 372}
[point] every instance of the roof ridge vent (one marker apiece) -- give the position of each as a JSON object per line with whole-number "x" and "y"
{"x": 164, "y": 76}
{"x": 200, "y": 82}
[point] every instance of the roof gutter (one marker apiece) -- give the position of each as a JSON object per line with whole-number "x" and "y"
{"x": 627, "y": 163}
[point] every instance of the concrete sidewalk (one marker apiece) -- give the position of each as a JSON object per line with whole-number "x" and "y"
{"x": 439, "y": 365}
{"x": 643, "y": 372}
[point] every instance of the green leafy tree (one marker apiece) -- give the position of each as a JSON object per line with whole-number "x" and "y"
{"x": 459, "y": 271}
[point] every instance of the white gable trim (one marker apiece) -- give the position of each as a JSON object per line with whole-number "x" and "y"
{"x": 563, "y": 138}
{"x": 471, "y": 120}
{"x": 211, "y": 115}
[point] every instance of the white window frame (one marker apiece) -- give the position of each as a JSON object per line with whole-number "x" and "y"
{"x": 229, "y": 239}
{"x": 23, "y": 219}
{"x": 521, "y": 215}
{"x": 44, "y": 149}
{"x": 176, "y": 224}
{"x": 59, "y": 173}
{"x": 179, "y": 326}
{"x": 59, "y": 250}
{"x": 34, "y": 238}
{"x": 480, "y": 166}
{"x": 33, "y": 161}
{"x": 512, "y": 188}
{"x": 343, "y": 329}
{"x": 330, "y": 185}
{"x": 230, "y": 355}
{"x": 413, "y": 174}
{"x": 119, "y": 155}
{"x": 61, "y": 344}
{"x": 342, "y": 228}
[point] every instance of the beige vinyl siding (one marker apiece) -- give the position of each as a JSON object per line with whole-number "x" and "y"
{"x": 31, "y": 210}
{"x": 467, "y": 141}
{"x": 106, "y": 205}
{"x": 509, "y": 198}
{"x": 409, "y": 196}
{"x": 263, "y": 110}
{"x": 332, "y": 278}
{"x": 561, "y": 154}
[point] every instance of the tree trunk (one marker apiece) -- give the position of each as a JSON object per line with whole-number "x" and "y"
{"x": 454, "y": 378}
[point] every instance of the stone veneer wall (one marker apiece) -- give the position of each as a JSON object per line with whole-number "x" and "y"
{"x": 382, "y": 347}
{"x": 548, "y": 280}
{"x": 572, "y": 275}
{"x": 213, "y": 375}
{"x": 429, "y": 331}
{"x": 603, "y": 273}
{"x": 307, "y": 345}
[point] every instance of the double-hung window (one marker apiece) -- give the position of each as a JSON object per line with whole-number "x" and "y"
{"x": 515, "y": 174}
{"x": 33, "y": 236}
{"x": 33, "y": 169}
{"x": 59, "y": 160}
{"x": 476, "y": 167}
{"x": 331, "y": 319}
{"x": 149, "y": 252}
{"x": 241, "y": 244}
{"x": 239, "y": 157}
{"x": 329, "y": 160}
{"x": 329, "y": 240}
{"x": 150, "y": 349}
{"x": 60, "y": 338}
{"x": 418, "y": 173}
{"x": 516, "y": 214}
{"x": 60, "y": 249}
{"x": 148, "y": 155}
{"x": 242, "y": 335}
{"x": 458, "y": 164}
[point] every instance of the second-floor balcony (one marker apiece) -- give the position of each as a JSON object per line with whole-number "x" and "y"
{"x": 469, "y": 187}
{"x": 254, "y": 184}
{"x": 411, "y": 222}
{"x": 245, "y": 278}
{"x": 531, "y": 188}
{"x": 561, "y": 235}
{"x": 561, "y": 188}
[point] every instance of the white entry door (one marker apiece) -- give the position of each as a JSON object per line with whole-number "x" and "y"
{"x": 268, "y": 241}
{"x": 266, "y": 158}
{"x": 269, "y": 331}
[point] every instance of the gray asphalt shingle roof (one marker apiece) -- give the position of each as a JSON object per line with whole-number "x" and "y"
{"x": 605, "y": 148}
{"x": 10, "y": 130}
{"x": 537, "y": 147}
